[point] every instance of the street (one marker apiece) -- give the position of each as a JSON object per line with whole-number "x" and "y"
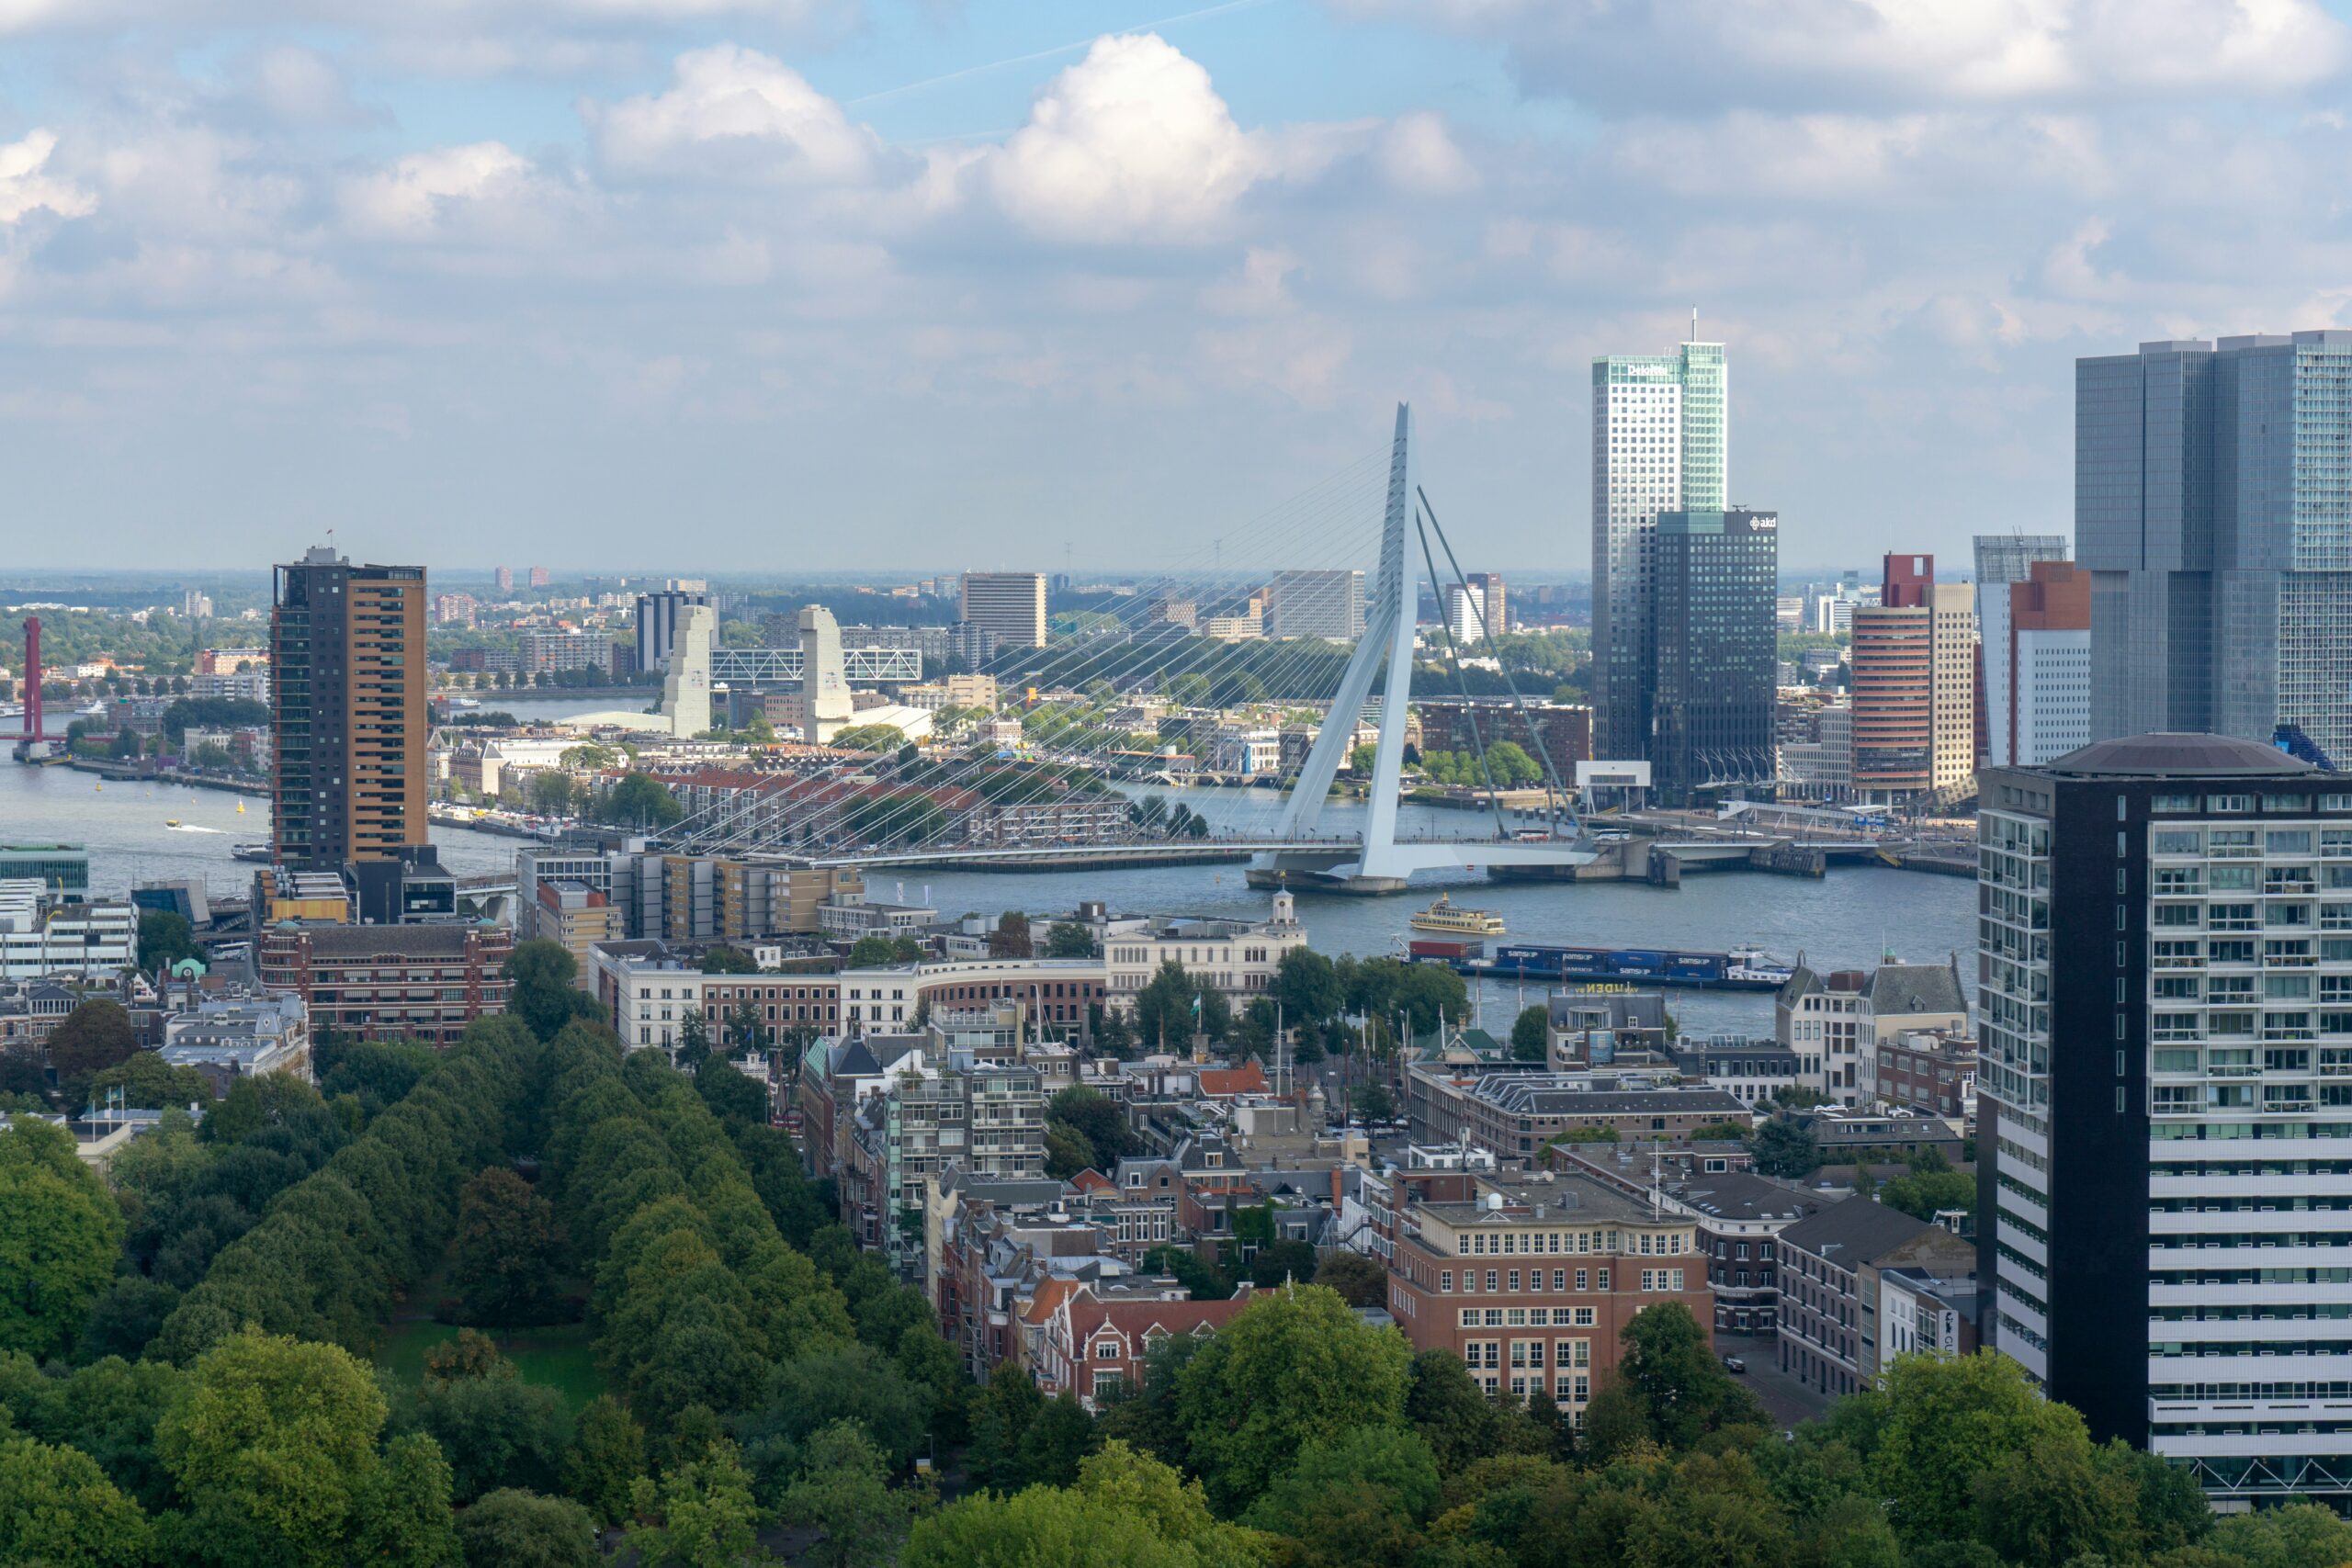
{"x": 1788, "y": 1400}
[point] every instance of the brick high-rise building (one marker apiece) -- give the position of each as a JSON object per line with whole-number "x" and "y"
{"x": 348, "y": 717}
{"x": 1915, "y": 684}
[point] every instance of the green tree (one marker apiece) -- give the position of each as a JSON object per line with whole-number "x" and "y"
{"x": 1003, "y": 1413}
{"x": 870, "y": 737}
{"x": 149, "y": 1083}
{"x": 1785, "y": 1147}
{"x": 844, "y": 1493}
{"x": 508, "y": 1252}
{"x": 380, "y": 1072}
{"x": 1944, "y": 1419}
{"x": 1127, "y": 1511}
{"x": 58, "y": 1233}
{"x": 725, "y": 960}
{"x": 703, "y": 1512}
{"x": 1923, "y": 1194}
{"x": 1068, "y": 1151}
{"x": 495, "y": 1430}
{"x": 544, "y": 995}
{"x": 1293, "y": 1367}
{"x": 1173, "y": 1004}
{"x": 1671, "y": 1372}
{"x": 1307, "y": 986}
{"x": 511, "y": 1528}
{"x": 606, "y": 1459}
{"x": 1358, "y": 1277}
{"x": 1066, "y": 939}
{"x": 2054, "y": 1502}
{"x": 2294, "y": 1535}
{"x": 164, "y": 937}
{"x": 1010, "y": 938}
{"x": 1357, "y": 1499}
{"x": 273, "y": 1447}
{"x": 872, "y": 951}
{"x": 95, "y": 1036}
{"x": 1102, "y": 1120}
{"x": 551, "y": 793}
{"x": 640, "y": 802}
{"x": 59, "y": 1510}
{"x": 1374, "y": 1103}
{"x": 1531, "y": 1033}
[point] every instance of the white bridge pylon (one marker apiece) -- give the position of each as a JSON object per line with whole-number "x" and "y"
{"x": 1381, "y": 863}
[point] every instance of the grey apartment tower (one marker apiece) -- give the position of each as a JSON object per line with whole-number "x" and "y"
{"x": 2213, "y": 509}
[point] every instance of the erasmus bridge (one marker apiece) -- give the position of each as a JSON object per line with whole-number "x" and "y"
{"x": 1200, "y": 628}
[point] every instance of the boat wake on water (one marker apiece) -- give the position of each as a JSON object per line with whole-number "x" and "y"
{"x": 192, "y": 828}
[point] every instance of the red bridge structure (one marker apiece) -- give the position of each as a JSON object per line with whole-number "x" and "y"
{"x": 34, "y": 733}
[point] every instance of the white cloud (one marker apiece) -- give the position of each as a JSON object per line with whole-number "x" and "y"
{"x": 1707, "y": 54}
{"x": 733, "y": 111}
{"x": 25, "y": 188}
{"x": 433, "y": 194}
{"x": 1417, "y": 155}
{"x": 1259, "y": 290}
{"x": 30, "y": 15}
{"x": 1130, "y": 142}
{"x": 302, "y": 86}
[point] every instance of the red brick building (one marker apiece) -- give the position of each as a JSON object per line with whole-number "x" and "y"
{"x": 390, "y": 982}
{"x": 1095, "y": 1347}
{"x": 1527, "y": 1279}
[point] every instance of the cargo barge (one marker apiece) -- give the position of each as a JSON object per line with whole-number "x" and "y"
{"x": 1743, "y": 969}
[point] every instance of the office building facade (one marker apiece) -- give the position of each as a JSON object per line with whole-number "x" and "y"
{"x": 1010, "y": 603}
{"x": 347, "y": 713}
{"x": 1464, "y": 610}
{"x": 661, "y": 621}
{"x": 2213, "y": 507}
{"x": 1657, "y": 446}
{"x": 2164, "y": 1115}
{"x": 1709, "y": 672}
{"x": 1914, "y": 663}
{"x": 2002, "y": 559}
{"x": 1328, "y": 604}
{"x": 2037, "y": 664}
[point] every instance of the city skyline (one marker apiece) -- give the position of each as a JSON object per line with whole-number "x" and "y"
{"x": 566, "y": 274}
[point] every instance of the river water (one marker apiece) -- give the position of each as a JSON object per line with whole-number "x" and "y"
{"x": 1845, "y": 920}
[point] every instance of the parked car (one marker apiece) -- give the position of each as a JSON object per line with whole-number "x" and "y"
{"x": 1733, "y": 1364}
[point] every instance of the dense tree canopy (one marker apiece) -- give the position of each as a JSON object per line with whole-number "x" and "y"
{"x": 59, "y": 1230}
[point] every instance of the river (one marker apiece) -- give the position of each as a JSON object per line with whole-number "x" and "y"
{"x": 1845, "y": 920}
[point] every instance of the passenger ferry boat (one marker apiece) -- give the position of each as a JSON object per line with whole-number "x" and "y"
{"x": 1442, "y": 916}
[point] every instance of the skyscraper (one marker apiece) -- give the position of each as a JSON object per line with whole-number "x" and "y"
{"x": 1914, "y": 663}
{"x": 1316, "y": 603}
{"x": 2163, "y": 965}
{"x": 2213, "y": 507}
{"x": 1498, "y": 599}
{"x": 2002, "y": 559}
{"x": 1709, "y": 672}
{"x": 661, "y": 619}
{"x": 504, "y": 578}
{"x": 538, "y": 576}
{"x": 346, "y": 648}
{"x": 2036, "y": 665}
{"x": 1465, "y": 612}
{"x": 1657, "y": 446}
{"x": 1010, "y": 603}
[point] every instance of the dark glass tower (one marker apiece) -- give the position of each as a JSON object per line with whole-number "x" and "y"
{"x": 1710, "y": 663}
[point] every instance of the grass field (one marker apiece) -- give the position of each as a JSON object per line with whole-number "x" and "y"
{"x": 557, "y": 1357}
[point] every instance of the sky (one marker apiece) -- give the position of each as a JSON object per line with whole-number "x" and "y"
{"x": 924, "y": 285}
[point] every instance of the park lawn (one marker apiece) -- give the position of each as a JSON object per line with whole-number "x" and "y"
{"x": 557, "y": 1357}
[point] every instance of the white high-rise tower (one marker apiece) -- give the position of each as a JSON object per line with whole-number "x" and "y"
{"x": 1657, "y": 446}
